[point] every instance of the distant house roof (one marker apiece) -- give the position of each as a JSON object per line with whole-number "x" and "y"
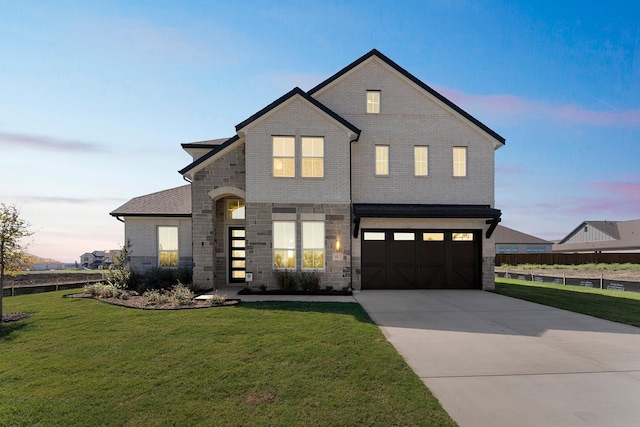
{"x": 173, "y": 202}
{"x": 621, "y": 236}
{"x": 508, "y": 236}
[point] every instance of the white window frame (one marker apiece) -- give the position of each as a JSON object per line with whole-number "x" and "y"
{"x": 280, "y": 154}
{"x": 313, "y": 243}
{"x": 373, "y": 102}
{"x": 382, "y": 162}
{"x": 420, "y": 164}
{"x": 173, "y": 253}
{"x": 312, "y": 153}
{"x": 460, "y": 162}
{"x": 284, "y": 243}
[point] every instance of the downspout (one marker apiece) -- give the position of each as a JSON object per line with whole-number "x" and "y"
{"x": 351, "y": 210}
{"x": 119, "y": 219}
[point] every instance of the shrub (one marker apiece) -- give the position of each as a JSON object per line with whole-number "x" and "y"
{"x": 120, "y": 275}
{"x": 286, "y": 280}
{"x": 160, "y": 278}
{"x": 182, "y": 294}
{"x": 155, "y": 296}
{"x": 106, "y": 290}
{"x": 309, "y": 281}
{"x": 217, "y": 299}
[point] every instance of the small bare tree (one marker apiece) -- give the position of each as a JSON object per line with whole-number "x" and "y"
{"x": 12, "y": 251}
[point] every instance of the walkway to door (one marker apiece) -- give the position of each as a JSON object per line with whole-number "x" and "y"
{"x": 498, "y": 361}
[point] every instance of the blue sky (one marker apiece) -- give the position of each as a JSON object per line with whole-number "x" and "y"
{"x": 96, "y": 97}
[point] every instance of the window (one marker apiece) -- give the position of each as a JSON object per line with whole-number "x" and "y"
{"x": 373, "y": 101}
{"x": 168, "y": 247}
{"x": 284, "y": 160}
{"x": 235, "y": 209}
{"x": 459, "y": 161}
{"x": 382, "y": 160}
{"x": 284, "y": 244}
{"x": 462, "y": 237}
{"x": 433, "y": 237}
{"x": 403, "y": 236}
{"x": 421, "y": 160}
{"x": 313, "y": 245}
{"x": 373, "y": 235}
{"x": 313, "y": 157}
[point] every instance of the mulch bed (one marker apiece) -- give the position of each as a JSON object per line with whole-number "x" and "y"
{"x": 252, "y": 291}
{"x": 140, "y": 302}
{"x": 14, "y": 317}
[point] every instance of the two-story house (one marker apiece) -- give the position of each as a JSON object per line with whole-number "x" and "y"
{"x": 372, "y": 179}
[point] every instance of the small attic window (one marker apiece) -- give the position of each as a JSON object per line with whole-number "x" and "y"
{"x": 373, "y": 101}
{"x": 586, "y": 228}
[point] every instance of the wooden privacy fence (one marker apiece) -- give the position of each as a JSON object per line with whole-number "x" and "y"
{"x": 568, "y": 259}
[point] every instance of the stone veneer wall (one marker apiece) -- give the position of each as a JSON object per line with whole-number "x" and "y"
{"x": 258, "y": 223}
{"x": 228, "y": 171}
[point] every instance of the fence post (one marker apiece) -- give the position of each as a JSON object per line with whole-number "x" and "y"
{"x": 564, "y": 279}
{"x": 601, "y": 279}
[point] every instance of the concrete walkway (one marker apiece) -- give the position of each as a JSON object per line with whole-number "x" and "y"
{"x": 498, "y": 361}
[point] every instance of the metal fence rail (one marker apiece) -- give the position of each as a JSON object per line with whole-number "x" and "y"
{"x": 600, "y": 283}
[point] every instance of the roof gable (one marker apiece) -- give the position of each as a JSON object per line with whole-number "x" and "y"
{"x": 414, "y": 80}
{"x": 292, "y": 93}
{"x": 506, "y": 235}
{"x": 202, "y": 161}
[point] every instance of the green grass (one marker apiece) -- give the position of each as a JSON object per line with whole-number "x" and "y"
{"x": 79, "y": 362}
{"x": 618, "y": 306}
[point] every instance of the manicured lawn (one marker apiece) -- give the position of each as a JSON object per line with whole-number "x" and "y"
{"x": 79, "y": 362}
{"x": 618, "y": 306}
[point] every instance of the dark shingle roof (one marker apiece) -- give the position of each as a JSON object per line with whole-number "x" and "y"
{"x": 172, "y": 202}
{"x": 505, "y": 235}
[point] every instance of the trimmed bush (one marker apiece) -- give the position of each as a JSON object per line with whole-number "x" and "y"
{"x": 309, "y": 281}
{"x": 286, "y": 280}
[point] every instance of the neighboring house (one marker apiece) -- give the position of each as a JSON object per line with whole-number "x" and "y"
{"x": 372, "y": 179}
{"x": 95, "y": 259}
{"x": 509, "y": 241}
{"x": 602, "y": 236}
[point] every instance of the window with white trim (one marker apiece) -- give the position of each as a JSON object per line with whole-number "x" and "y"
{"x": 235, "y": 209}
{"x": 168, "y": 247}
{"x": 313, "y": 241}
{"x": 421, "y": 160}
{"x": 459, "y": 161}
{"x": 284, "y": 156}
{"x": 284, "y": 244}
{"x": 373, "y": 101}
{"x": 382, "y": 160}
{"x": 312, "y": 157}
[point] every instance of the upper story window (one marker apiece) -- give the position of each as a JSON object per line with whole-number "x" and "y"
{"x": 168, "y": 247}
{"x": 382, "y": 160}
{"x": 235, "y": 209}
{"x": 313, "y": 157}
{"x": 284, "y": 156}
{"x": 421, "y": 160}
{"x": 459, "y": 161}
{"x": 373, "y": 101}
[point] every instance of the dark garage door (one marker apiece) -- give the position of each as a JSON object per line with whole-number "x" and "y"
{"x": 420, "y": 259}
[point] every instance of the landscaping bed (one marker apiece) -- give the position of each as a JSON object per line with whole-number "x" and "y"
{"x": 141, "y": 302}
{"x": 253, "y": 291}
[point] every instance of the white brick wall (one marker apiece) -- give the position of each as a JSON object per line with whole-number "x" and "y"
{"x": 297, "y": 118}
{"x": 409, "y": 116}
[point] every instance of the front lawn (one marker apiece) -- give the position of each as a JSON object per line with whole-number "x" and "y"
{"x": 618, "y": 306}
{"x": 79, "y": 362}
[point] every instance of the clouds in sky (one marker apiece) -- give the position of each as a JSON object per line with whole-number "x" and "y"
{"x": 510, "y": 107}
{"x": 39, "y": 142}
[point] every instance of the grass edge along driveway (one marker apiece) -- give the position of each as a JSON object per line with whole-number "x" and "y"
{"x": 617, "y": 306}
{"x": 83, "y": 362}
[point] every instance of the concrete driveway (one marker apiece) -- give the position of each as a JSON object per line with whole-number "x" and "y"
{"x": 493, "y": 361}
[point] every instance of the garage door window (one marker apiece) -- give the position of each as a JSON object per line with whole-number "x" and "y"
{"x": 404, "y": 236}
{"x": 373, "y": 235}
{"x": 433, "y": 237}
{"x": 462, "y": 237}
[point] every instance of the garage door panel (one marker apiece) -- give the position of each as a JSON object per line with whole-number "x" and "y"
{"x": 422, "y": 259}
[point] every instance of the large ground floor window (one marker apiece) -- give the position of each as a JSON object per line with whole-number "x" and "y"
{"x": 168, "y": 247}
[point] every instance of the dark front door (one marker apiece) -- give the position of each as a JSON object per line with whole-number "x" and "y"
{"x": 237, "y": 254}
